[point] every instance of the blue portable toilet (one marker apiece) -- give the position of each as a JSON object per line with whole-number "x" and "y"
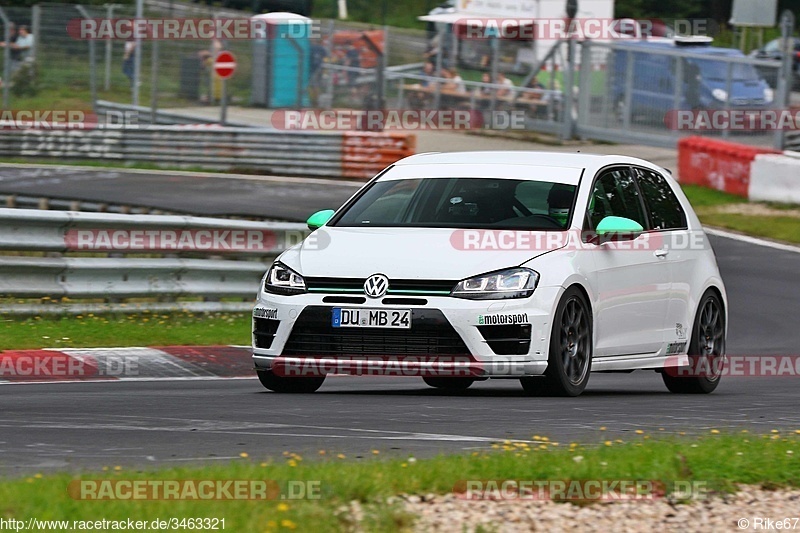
{"x": 281, "y": 60}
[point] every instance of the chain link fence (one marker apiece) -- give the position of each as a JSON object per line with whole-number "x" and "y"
{"x": 629, "y": 92}
{"x": 619, "y": 91}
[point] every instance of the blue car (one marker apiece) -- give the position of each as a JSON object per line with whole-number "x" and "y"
{"x": 705, "y": 81}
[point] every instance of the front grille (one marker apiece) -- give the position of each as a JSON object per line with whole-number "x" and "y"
{"x": 430, "y": 334}
{"x": 507, "y": 340}
{"x": 748, "y": 101}
{"x": 264, "y": 330}
{"x": 396, "y": 286}
{"x": 344, "y": 300}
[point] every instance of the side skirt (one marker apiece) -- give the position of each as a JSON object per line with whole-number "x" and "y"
{"x": 639, "y": 362}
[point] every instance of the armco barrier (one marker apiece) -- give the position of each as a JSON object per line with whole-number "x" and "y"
{"x": 63, "y": 231}
{"x": 716, "y": 164}
{"x": 292, "y": 153}
{"x": 776, "y": 178}
{"x": 248, "y": 246}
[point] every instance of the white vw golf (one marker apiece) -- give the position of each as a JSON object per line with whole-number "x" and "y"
{"x": 459, "y": 267}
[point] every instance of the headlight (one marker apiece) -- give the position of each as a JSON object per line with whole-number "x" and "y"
{"x": 769, "y": 95}
{"x": 506, "y": 284}
{"x": 720, "y": 94}
{"x": 283, "y": 280}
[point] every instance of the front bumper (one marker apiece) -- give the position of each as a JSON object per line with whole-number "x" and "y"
{"x": 447, "y": 335}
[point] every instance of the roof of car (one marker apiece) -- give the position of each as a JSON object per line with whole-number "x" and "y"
{"x": 667, "y": 44}
{"x": 541, "y": 159}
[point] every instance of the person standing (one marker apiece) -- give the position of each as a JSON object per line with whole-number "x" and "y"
{"x": 24, "y": 44}
{"x": 128, "y": 59}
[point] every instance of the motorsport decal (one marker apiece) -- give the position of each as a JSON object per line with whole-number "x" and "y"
{"x": 676, "y": 348}
{"x": 680, "y": 331}
{"x": 497, "y": 320}
{"x": 261, "y": 312}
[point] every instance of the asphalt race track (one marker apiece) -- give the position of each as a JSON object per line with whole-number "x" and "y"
{"x": 73, "y": 425}
{"x": 291, "y": 199}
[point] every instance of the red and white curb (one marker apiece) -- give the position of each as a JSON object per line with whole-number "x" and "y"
{"x": 125, "y": 364}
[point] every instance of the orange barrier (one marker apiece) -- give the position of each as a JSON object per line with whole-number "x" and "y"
{"x": 716, "y": 164}
{"x": 364, "y": 154}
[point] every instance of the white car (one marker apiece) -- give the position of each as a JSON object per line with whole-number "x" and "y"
{"x": 459, "y": 267}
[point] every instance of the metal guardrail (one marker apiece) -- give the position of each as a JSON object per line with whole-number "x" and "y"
{"x": 115, "y": 277}
{"x": 60, "y": 231}
{"x": 792, "y": 141}
{"x": 277, "y": 152}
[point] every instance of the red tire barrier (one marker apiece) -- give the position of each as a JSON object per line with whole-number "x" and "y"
{"x": 364, "y": 154}
{"x": 716, "y": 164}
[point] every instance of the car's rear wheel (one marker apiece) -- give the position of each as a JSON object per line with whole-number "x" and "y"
{"x": 706, "y": 351}
{"x": 570, "y": 355}
{"x": 289, "y": 385}
{"x": 449, "y": 383}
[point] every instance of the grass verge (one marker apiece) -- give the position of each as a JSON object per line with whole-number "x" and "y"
{"x": 142, "y": 329}
{"x": 772, "y": 227}
{"x": 717, "y": 459}
{"x": 772, "y": 221}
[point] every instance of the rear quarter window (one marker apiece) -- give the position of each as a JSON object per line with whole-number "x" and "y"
{"x": 663, "y": 207}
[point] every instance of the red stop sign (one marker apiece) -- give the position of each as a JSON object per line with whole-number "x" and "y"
{"x": 224, "y": 65}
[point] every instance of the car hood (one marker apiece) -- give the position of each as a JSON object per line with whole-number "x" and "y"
{"x": 404, "y": 253}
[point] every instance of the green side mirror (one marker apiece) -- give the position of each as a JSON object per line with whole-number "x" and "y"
{"x": 618, "y": 225}
{"x": 319, "y": 219}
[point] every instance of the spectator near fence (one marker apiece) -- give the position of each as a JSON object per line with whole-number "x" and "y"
{"x": 455, "y": 81}
{"x": 507, "y": 88}
{"x": 352, "y": 59}
{"x": 128, "y": 59}
{"x": 319, "y": 56}
{"x": 24, "y": 44}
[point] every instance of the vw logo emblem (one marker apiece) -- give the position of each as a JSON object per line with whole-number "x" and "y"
{"x": 376, "y": 286}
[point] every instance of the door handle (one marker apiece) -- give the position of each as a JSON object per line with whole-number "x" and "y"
{"x": 661, "y": 253}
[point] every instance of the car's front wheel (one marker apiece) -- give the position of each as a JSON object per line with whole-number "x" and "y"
{"x": 570, "y": 355}
{"x": 289, "y": 385}
{"x": 706, "y": 351}
{"x": 449, "y": 383}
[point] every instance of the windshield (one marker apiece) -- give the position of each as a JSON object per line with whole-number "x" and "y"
{"x": 712, "y": 69}
{"x": 490, "y": 203}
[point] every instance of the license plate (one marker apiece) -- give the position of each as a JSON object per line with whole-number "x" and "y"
{"x": 371, "y": 318}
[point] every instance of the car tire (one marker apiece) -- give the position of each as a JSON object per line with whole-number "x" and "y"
{"x": 571, "y": 346}
{"x": 707, "y": 342}
{"x": 280, "y": 384}
{"x": 452, "y": 384}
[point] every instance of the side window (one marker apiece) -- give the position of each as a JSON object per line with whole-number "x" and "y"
{"x": 663, "y": 207}
{"x": 615, "y": 194}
